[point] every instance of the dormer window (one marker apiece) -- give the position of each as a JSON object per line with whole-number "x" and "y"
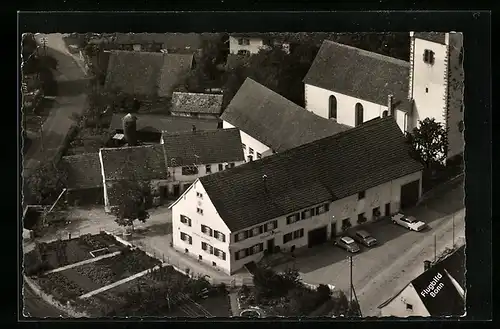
{"x": 429, "y": 56}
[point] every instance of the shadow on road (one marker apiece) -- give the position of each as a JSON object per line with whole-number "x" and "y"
{"x": 72, "y": 87}
{"x": 155, "y": 230}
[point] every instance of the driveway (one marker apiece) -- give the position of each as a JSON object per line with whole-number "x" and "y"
{"x": 379, "y": 273}
{"x": 71, "y": 100}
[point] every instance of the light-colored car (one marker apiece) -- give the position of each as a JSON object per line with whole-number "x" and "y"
{"x": 409, "y": 222}
{"x": 348, "y": 244}
{"x": 364, "y": 238}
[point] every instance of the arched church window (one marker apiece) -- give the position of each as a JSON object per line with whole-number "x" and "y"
{"x": 359, "y": 114}
{"x": 385, "y": 113}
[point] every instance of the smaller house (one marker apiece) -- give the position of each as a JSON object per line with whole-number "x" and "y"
{"x": 140, "y": 167}
{"x": 146, "y": 74}
{"x": 438, "y": 291}
{"x": 84, "y": 183}
{"x": 197, "y": 105}
{"x": 156, "y": 42}
{"x": 150, "y": 127}
{"x": 251, "y": 43}
{"x": 270, "y": 123}
{"x": 196, "y": 153}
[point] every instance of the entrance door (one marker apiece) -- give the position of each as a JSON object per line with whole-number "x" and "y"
{"x": 177, "y": 190}
{"x": 410, "y": 194}
{"x": 388, "y": 209}
{"x": 270, "y": 245}
{"x": 334, "y": 231}
{"x": 317, "y": 236}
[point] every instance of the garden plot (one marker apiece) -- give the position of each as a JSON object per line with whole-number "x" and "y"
{"x": 60, "y": 253}
{"x": 149, "y": 295}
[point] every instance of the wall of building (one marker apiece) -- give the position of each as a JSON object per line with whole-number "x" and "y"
{"x": 250, "y": 142}
{"x": 255, "y": 45}
{"x": 455, "y": 112}
{"x": 398, "y": 306}
{"x": 430, "y": 103}
{"x": 187, "y": 205}
{"x": 317, "y": 100}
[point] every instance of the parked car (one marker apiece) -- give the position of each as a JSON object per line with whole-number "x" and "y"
{"x": 348, "y": 244}
{"x": 409, "y": 222}
{"x": 364, "y": 238}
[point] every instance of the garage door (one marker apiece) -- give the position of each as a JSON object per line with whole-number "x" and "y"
{"x": 317, "y": 236}
{"x": 410, "y": 194}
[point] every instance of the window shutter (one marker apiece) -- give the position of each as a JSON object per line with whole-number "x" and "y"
{"x": 236, "y": 237}
{"x": 223, "y": 255}
{"x": 237, "y": 255}
{"x": 288, "y": 220}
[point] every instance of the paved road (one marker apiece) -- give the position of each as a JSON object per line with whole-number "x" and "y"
{"x": 71, "y": 100}
{"x": 34, "y": 306}
{"x": 380, "y": 272}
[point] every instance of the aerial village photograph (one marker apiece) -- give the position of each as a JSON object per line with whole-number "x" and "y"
{"x": 252, "y": 175}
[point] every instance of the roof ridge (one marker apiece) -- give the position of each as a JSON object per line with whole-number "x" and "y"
{"x": 198, "y": 132}
{"x": 126, "y": 147}
{"x": 370, "y": 53}
{"x": 189, "y": 93}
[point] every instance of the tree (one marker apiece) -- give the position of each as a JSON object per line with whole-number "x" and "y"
{"x": 131, "y": 206}
{"x": 45, "y": 182}
{"x": 428, "y": 142}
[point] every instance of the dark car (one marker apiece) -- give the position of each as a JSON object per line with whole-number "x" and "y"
{"x": 364, "y": 238}
{"x": 348, "y": 244}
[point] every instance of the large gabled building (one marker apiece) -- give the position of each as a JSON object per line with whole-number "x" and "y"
{"x": 297, "y": 198}
{"x": 352, "y": 85}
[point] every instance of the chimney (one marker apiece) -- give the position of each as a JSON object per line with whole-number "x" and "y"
{"x": 130, "y": 129}
{"x": 264, "y": 179}
{"x": 390, "y": 106}
{"x": 194, "y": 128}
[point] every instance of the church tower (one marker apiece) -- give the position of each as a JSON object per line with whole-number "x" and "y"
{"x": 437, "y": 83}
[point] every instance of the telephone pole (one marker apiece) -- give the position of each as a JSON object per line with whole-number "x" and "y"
{"x": 435, "y": 243}
{"x": 453, "y": 231}
{"x": 350, "y": 275}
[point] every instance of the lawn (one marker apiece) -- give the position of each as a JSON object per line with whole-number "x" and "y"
{"x": 64, "y": 252}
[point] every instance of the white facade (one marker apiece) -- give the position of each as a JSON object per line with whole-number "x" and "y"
{"x": 188, "y": 205}
{"x": 252, "y": 45}
{"x": 251, "y": 146}
{"x": 346, "y": 209}
{"x": 406, "y": 304}
{"x": 317, "y": 100}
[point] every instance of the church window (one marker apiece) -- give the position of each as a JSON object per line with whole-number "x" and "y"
{"x": 429, "y": 56}
{"x": 332, "y": 109}
{"x": 359, "y": 114}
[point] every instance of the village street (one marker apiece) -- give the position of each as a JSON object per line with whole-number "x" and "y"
{"x": 71, "y": 100}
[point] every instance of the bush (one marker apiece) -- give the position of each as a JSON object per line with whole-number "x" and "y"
{"x": 324, "y": 293}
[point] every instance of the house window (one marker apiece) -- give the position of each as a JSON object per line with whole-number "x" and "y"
{"x": 376, "y": 212}
{"x": 243, "y": 42}
{"x": 461, "y": 126}
{"x": 298, "y": 234}
{"x": 256, "y": 249}
{"x": 199, "y": 195}
{"x": 200, "y": 257}
{"x": 185, "y": 220}
{"x": 199, "y": 211}
{"x": 250, "y": 150}
{"x": 240, "y": 42}
{"x": 208, "y": 248}
{"x": 332, "y": 107}
{"x": 219, "y": 236}
{"x": 259, "y": 156}
{"x": 385, "y": 114}
{"x": 409, "y": 307}
{"x": 244, "y": 146}
{"x": 219, "y": 253}
{"x": 250, "y": 158}
{"x": 186, "y": 250}
{"x": 221, "y": 167}
{"x": 429, "y": 56}
{"x": 426, "y": 90}
{"x": 241, "y": 236}
{"x": 361, "y": 218}
{"x": 255, "y": 231}
{"x": 307, "y": 213}
{"x": 186, "y": 238}
{"x": 208, "y": 169}
{"x": 243, "y": 52}
{"x": 322, "y": 209}
{"x": 189, "y": 170}
{"x": 271, "y": 226}
{"x": 361, "y": 195}
{"x": 292, "y": 219}
{"x": 207, "y": 230}
{"x": 359, "y": 114}
{"x": 287, "y": 237}
{"x": 214, "y": 264}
